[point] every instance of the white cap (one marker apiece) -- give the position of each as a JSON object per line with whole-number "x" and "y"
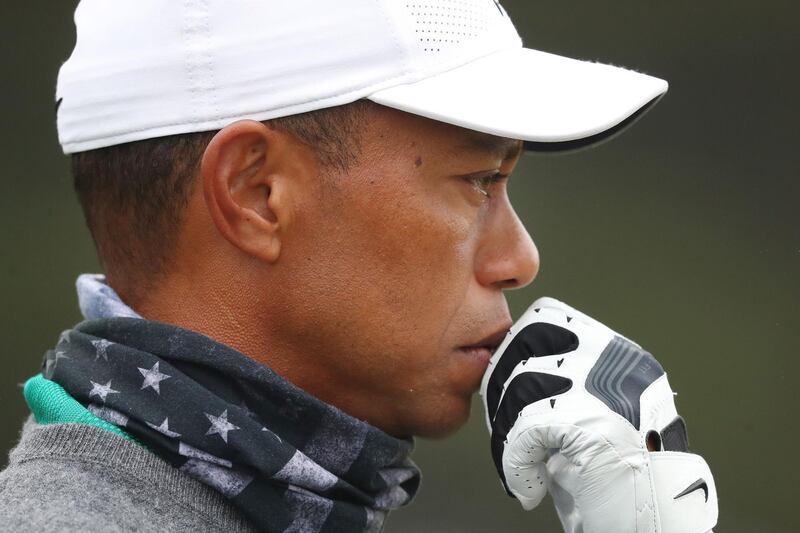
{"x": 150, "y": 68}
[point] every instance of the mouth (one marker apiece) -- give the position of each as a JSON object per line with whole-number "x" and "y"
{"x": 485, "y": 348}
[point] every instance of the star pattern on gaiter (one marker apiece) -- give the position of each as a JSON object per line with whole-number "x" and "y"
{"x": 334, "y": 478}
{"x": 101, "y": 391}
{"x": 52, "y": 363}
{"x": 220, "y": 425}
{"x": 101, "y": 348}
{"x": 164, "y": 429}
{"x": 152, "y": 378}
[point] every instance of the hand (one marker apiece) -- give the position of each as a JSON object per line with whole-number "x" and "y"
{"x": 576, "y": 409}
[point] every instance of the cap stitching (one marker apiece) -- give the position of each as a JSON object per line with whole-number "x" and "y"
{"x": 390, "y": 22}
{"x": 198, "y": 57}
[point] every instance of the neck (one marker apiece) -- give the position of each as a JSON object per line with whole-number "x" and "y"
{"x": 235, "y": 317}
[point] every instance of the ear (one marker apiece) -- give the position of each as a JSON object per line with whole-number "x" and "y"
{"x": 248, "y": 172}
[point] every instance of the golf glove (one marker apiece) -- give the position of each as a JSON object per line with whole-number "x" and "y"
{"x": 573, "y": 409}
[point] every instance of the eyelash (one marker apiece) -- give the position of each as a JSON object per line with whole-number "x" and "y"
{"x": 482, "y": 183}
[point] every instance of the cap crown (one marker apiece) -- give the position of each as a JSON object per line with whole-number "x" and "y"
{"x": 149, "y": 68}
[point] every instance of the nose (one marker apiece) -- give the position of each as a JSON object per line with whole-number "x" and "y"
{"x": 506, "y": 258}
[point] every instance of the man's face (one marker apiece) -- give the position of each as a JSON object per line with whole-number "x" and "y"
{"x": 394, "y": 275}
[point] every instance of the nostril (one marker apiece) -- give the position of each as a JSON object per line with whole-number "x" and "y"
{"x": 511, "y": 283}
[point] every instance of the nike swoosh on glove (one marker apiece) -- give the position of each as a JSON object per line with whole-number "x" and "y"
{"x": 571, "y": 406}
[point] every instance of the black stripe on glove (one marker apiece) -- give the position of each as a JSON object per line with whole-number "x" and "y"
{"x": 523, "y": 390}
{"x": 535, "y": 340}
{"x": 539, "y": 339}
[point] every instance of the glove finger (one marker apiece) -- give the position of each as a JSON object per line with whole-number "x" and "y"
{"x": 573, "y": 314}
{"x": 547, "y": 302}
{"x": 525, "y": 389}
{"x": 527, "y": 456}
{"x": 526, "y": 482}
{"x": 534, "y": 340}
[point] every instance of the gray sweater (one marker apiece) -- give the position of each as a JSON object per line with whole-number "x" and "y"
{"x": 75, "y": 477}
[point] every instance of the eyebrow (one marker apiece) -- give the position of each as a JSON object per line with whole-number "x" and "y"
{"x": 501, "y": 147}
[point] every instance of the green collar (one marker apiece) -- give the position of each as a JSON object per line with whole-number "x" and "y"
{"x": 51, "y": 404}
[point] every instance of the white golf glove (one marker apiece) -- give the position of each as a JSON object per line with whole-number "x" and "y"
{"x": 572, "y": 407}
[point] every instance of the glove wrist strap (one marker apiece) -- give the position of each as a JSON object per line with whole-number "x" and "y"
{"x": 685, "y": 492}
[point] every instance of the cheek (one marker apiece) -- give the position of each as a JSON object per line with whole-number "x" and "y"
{"x": 393, "y": 270}
{"x": 417, "y": 258}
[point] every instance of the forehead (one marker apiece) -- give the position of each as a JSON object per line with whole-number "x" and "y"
{"x": 492, "y": 145}
{"x": 444, "y": 138}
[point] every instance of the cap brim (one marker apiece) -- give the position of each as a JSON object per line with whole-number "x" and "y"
{"x": 541, "y": 98}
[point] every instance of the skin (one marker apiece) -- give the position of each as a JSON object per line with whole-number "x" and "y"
{"x": 362, "y": 287}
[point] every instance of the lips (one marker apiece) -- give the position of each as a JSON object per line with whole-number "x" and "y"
{"x": 484, "y": 348}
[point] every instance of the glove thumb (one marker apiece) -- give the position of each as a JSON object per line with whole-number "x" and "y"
{"x": 526, "y": 473}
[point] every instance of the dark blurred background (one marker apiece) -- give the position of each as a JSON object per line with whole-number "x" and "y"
{"x": 682, "y": 233}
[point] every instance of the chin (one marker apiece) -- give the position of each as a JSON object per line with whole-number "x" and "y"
{"x": 440, "y": 420}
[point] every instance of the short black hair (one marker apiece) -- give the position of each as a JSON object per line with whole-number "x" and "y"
{"x": 134, "y": 195}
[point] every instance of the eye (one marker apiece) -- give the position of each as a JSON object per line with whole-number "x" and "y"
{"x": 485, "y": 183}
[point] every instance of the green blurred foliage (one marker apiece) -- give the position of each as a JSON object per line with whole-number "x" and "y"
{"x": 682, "y": 233}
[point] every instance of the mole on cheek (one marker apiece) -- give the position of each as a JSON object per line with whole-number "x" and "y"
{"x": 418, "y": 161}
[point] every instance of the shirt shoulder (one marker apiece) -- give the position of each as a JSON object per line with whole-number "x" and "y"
{"x": 54, "y": 495}
{"x": 81, "y": 478}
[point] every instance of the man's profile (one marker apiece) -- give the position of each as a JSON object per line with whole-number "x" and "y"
{"x": 302, "y": 217}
